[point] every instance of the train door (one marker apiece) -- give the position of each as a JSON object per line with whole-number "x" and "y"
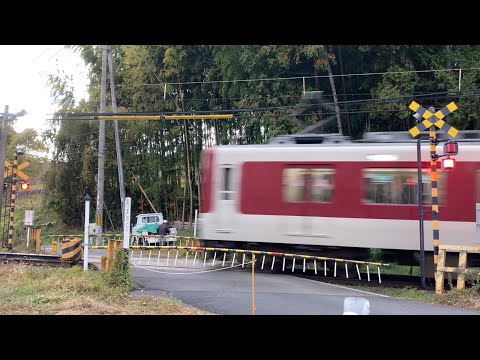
{"x": 308, "y": 190}
{"x": 296, "y": 191}
{"x": 307, "y": 220}
{"x": 226, "y": 198}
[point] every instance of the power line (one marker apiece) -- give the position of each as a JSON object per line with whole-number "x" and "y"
{"x": 393, "y": 99}
{"x": 55, "y": 54}
{"x": 296, "y": 77}
{"x": 74, "y": 116}
{"x": 39, "y": 56}
{"x": 160, "y": 81}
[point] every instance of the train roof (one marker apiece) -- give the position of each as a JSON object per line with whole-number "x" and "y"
{"x": 376, "y": 146}
{"x": 400, "y": 138}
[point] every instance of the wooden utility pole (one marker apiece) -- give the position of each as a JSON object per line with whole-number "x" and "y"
{"x": 188, "y": 172}
{"x": 101, "y": 150}
{"x": 335, "y": 99}
{"x": 117, "y": 134}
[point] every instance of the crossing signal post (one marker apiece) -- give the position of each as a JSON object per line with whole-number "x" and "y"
{"x": 12, "y": 200}
{"x": 431, "y": 120}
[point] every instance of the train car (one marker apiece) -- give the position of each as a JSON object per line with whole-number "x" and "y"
{"x": 328, "y": 195}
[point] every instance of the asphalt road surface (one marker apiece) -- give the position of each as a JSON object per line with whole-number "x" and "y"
{"x": 229, "y": 291}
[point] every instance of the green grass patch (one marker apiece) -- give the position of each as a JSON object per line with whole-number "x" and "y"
{"x": 466, "y": 298}
{"x": 395, "y": 269}
{"x": 406, "y": 292}
{"x": 44, "y": 290}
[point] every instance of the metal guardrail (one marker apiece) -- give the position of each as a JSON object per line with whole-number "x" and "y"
{"x": 117, "y": 236}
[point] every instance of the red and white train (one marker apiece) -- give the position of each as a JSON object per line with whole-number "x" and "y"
{"x": 336, "y": 196}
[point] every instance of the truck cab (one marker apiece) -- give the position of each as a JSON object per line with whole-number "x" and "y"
{"x": 147, "y": 224}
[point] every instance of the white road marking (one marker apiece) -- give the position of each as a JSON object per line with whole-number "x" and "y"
{"x": 347, "y": 288}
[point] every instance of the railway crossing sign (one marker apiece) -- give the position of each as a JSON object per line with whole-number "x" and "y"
{"x": 20, "y": 174}
{"x": 433, "y": 119}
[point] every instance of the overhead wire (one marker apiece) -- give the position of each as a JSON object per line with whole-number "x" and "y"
{"x": 299, "y": 77}
{"x": 385, "y": 100}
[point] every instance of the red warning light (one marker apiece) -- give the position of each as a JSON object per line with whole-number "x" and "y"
{"x": 448, "y": 163}
{"x": 450, "y": 148}
{"x": 24, "y": 186}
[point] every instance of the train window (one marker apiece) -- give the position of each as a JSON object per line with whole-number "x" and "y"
{"x": 226, "y": 190}
{"x": 300, "y": 185}
{"x": 399, "y": 186}
{"x": 322, "y": 184}
{"x": 294, "y": 185}
{"x": 478, "y": 186}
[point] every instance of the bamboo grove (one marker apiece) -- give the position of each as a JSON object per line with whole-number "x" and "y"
{"x": 163, "y": 157}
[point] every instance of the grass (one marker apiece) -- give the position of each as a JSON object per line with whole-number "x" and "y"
{"x": 468, "y": 298}
{"x": 395, "y": 269}
{"x": 53, "y": 291}
{"x": 185, "y": 232}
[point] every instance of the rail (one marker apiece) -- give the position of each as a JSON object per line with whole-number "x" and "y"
{"x": 32, "y": 259}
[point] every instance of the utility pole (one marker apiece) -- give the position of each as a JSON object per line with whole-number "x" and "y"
{"x": 3, "y": 146}
{"x": 101, "y": 150}
{"x": 117, "y": 135}
{"x": 335, "y": 99}
{"x": 13, "y": 197}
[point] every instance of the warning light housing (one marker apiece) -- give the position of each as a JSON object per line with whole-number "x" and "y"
{"x": 450, "y": 148}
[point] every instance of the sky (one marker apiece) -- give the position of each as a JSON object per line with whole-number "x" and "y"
{"x": 24, "y": 71}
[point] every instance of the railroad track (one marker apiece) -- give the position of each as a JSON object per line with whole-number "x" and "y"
{"x": 385, "y": 280}
{"x": 40, "y": 259}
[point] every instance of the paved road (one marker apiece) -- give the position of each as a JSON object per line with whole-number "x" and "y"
{"x": 229, "y": 292}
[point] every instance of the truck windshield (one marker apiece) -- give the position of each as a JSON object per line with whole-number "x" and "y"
{"x": 150, "y": 219}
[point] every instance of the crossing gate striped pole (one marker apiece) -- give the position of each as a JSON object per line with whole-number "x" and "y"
{"x": 13, "y": 197}
{"x": 434, "y": 183}
{"x": 434, "y": 119}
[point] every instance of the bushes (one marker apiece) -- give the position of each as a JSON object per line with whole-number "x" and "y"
{"x": 120, "y": 275}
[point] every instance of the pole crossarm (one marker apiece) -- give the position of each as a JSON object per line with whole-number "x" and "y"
{"x": 433, "y": 119}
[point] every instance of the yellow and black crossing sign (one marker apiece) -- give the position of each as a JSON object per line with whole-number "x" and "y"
{"x": 433, "y": 119}
{"x": 20, "y": 174}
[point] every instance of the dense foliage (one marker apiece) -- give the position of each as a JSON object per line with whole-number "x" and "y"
{"x": 371, "y": 86}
